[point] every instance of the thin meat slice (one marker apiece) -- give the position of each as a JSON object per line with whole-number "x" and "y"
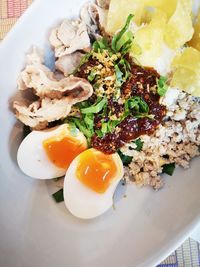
{"x": 95, "y": 18}
{"x": 68, "y": 63}
{"x": 103, "y": 3}
{"x": 44, "y": 83}
{"x": 54, "y": 98}
{"x": 38, "y": 114}
{"x": 69, "y": 37}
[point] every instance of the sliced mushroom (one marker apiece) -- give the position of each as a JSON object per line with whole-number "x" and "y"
{"x": 69, "y": 37}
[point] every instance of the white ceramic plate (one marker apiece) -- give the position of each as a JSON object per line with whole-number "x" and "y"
{"x": 35, "y": 232}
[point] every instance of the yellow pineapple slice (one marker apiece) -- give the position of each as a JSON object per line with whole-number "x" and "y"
{"x": 167, "y": 6}
{"x": 179, "y": 29}
{"x": 150, "y": 39}
{"x": 119, "y": 11}
{"x": 195, "y": 42}
{"x": 186, "y": 71}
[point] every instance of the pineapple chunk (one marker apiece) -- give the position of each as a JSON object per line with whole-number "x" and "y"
{"x": 119, "y": 11}
{"x": 186, "y": 71}
{"x": 195, "y": 42}
{"x": 179, "y": 29}
{"x": 167, "y": 6}
{"x": 150, "y": 39}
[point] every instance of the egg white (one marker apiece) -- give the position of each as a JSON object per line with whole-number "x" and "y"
{"x": 82, "y": 201}
{"x": 32, "y": 158}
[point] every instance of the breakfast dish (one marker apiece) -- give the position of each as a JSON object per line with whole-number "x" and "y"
{"x": 122, "y": 101}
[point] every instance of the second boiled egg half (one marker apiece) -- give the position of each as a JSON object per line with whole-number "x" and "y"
{"x": 90, "y": 183}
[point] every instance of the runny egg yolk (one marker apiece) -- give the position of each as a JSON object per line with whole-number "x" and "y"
{"x": 96, "y": 170}
{"x": 61, "y": 150}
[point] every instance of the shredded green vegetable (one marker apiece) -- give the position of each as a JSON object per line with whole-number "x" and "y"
{"x": 96, "y": 108}
{"x": 136, "y": 104}
{"x": 169, "y": 168}
{"x": 58, "y": 196}
{"x": 125, "y": 159}
{"x": 139, "y": 143}
{"x": 162, "y": 86}
{"x": 122, "y": 41}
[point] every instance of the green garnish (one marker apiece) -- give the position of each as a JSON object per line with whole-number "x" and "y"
{"x": 89, "y": 121}
{"x": 96, "y": 108}
{"x": 58, "y": 196}
{"x": 73, "y": 129}
{"x": 139, "y": 143}
{"x": 122, "y": 41}
{"x": 122, "y": 71}
{"x": 119, "y": 76}
{"x": 104, "y": 128}
{"x": 84, "y": 59}
{"x": 162, "y": 85}
{"x": 168, "y": 168}
{"x": 26, "y": 131}
{"x": 91, "y": 76}
{"x": 81, "y": 125}
{"x": 137, "y": 105}
{"x": 100, "y": 45}
{"x": 126, "y": 160}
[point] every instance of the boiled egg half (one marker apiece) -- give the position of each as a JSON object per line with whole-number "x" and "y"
{"x": 48, "y": 154}
{"x": 90, "y": 183}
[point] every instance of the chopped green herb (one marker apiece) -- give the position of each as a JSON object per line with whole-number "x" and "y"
{"x": 126, "y": 67}
{"x": 26, "y": 131}
{"x": 84, "y": 59}
{"x": 96, "y": 108}
{"x": 136, "y": 104}
{"x": 139, "y": 143}
{"x": 169, "y": 168}
{"x": 89, "y": 121}
{"x": 104, "y": 128}
{"x": 82, "y": 127}
{"x": 122, "y": 41}
{"x": 125, "y": 159}
{"x": 112, "y": 124}
{"x": 73, "y": 129}
{"x": 162, "y": 86}
{"x": 58, "y": 196}
{"x": 91, "y": 76}
{"x": 83, "y": 104}
{"x": 100, "y": 45}
{"x": 99, "y": 133}
{"x": 119, "y": 76}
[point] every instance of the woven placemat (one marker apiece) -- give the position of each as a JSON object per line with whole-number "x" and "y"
{"x": 10, "y": 11}
{"x": 188, "y": 255}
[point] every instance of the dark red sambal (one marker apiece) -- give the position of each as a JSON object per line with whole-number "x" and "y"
{"x": 142, "y": 83}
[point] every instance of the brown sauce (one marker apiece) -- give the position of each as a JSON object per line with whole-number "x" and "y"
{"x": 142, "y": 83}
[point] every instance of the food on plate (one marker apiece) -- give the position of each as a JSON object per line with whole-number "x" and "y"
{"x": 93, "y": 176}
{"x": 122, "y": 101}
{"x": 179, "y": 28}
{"x": 50, "y": 152}
{"x": 150, "y": 39}
{"x": 54, "y": 98}
{"x": 195, "y": 41}
{"x": 187, "y": 64}
{"x": 119, "y": 11}
{"x": 69, "y": 37}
